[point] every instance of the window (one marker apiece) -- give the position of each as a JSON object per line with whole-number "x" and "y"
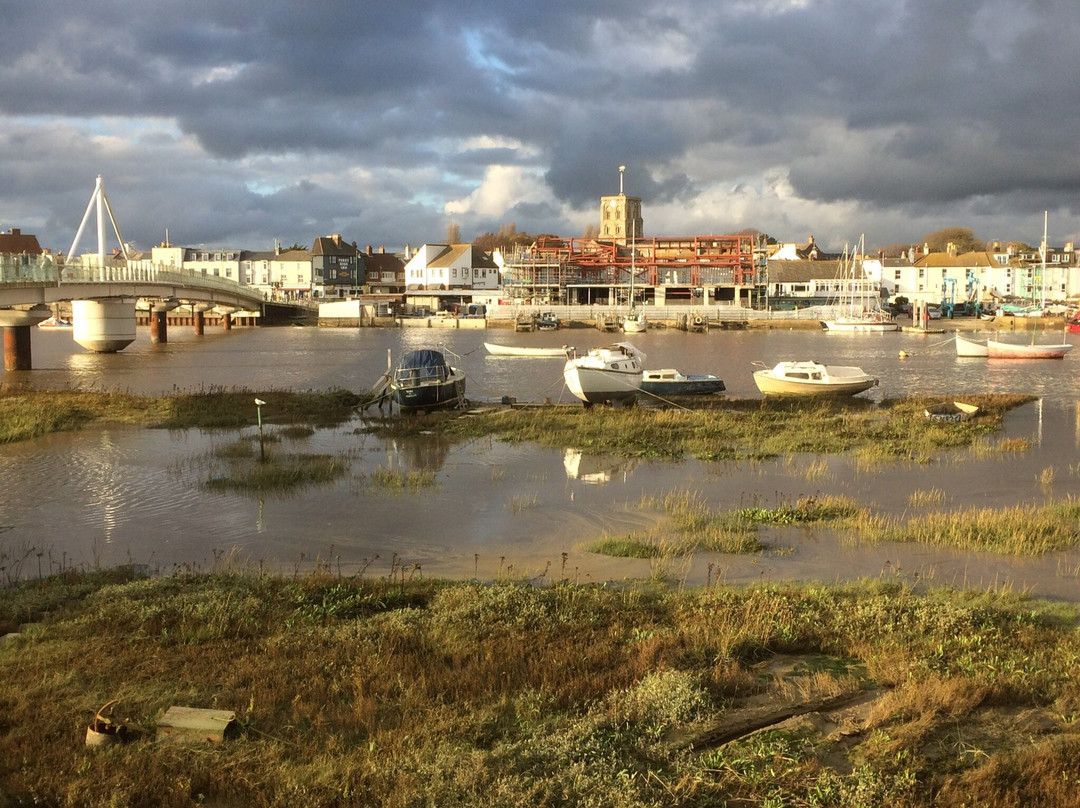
{"x": 896, "y": 275}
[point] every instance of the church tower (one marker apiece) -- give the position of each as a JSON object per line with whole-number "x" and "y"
{"x": 620, "y": 216}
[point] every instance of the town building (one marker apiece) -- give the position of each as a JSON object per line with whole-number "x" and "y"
{"x": 336, "y": 267}
{"x": 16, "y": 242}
{"x": 384, "y": 273}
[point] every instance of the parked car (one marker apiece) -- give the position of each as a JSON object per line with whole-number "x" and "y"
{"x": 934, "y": 312}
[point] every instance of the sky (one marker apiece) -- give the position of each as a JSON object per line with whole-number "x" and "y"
{"x": 244, "y": 123}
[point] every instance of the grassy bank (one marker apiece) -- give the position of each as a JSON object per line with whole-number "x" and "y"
{"x": 401, "y": 693}
{"x": 723, "y": 429}
{"x": 26, "y": 415}
{"x": 730, "y": 429}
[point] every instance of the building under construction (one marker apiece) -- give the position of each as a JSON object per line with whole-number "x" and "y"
{"x": 696, "y": 271}
{"x": 699, "y": 271}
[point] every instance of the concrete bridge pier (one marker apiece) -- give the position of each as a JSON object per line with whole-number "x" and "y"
{"x": 17, "y": 347}
{"x": 104, "y": 326}
{"x": 17, "y": 324}
{"x": 159, "y": 326}
{"x": 226, "y": 313}
{"x": 200, "y": 310}
{"x": 159, "y": 320}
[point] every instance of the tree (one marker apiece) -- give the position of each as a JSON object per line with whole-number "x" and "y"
{"x": 453, "y": 233}
{"x": 961, "y": 237}
{"x": 591, "y": 231}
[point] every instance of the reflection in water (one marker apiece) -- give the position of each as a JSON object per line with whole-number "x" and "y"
{"x": 595, "y": 469}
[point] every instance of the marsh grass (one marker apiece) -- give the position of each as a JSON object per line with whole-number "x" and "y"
{"x": 524, "y": 502}
{"x": 278, "y": 473}
{"x": 835, "y": 510}
{"x": 1019, "y": 530}
{"x": 741, "y": 429}
{"x": 26, "y": 415}
{"x": 924, "y": 497}
{"x": 400, "y": 482}
{"x": 398, "y": 691}
{"x": 692, "y": 525}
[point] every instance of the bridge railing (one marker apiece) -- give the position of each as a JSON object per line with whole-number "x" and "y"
{"x": 28, "y": 269}
{"x": 19, "y": 269}
{"x": 120, "y": 272}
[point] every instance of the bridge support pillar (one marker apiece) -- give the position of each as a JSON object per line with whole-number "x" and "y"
{"x": 159, "y": 326}
{"x": 226, "y": 321}
{"x": 104, "y": 326}
{"x": 17, "y": 347}
{"x": 200, "y": 323}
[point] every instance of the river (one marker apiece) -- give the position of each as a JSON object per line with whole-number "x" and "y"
{"x": 119, "y": 494}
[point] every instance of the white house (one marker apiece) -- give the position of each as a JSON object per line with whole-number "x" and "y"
{"x": 984, "y": 276}
{"x": 451, "y": 266}
{"x": 291, "y": 275}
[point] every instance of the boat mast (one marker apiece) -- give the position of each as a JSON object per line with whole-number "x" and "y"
{"x": 1042, "y": 301}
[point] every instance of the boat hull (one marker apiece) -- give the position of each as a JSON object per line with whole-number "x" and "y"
{"x": 858, "y": 325}
{"x": 435, "y": 395}
{"x": 605, "y": 375}
{"x": 951, "y": 411}
{"x": 811, "y": 379}
{"x": 970, "y": 347}
{"x": 515, "y": 350}
{"x": 672, "y": 383}
{"x": 1008, "y": 350}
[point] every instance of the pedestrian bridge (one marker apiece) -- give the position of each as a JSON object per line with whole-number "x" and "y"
{"x": 103, "y": 295}
{"x": 27, "y": 280}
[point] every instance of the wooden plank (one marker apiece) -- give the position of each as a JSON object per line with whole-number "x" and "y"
{"x": 196, "y": 725}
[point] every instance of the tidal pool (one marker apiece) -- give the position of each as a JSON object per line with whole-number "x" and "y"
{"x": 491, "y": 509}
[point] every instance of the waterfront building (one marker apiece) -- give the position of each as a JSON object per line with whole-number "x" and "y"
{"x": 985, "y": 277}
{"x": 451, "y": 266}
{"x": 384, "y": 273}
{"x": 336, "y": 267}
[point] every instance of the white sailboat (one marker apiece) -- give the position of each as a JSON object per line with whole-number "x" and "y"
{"x": 856, "y": 315}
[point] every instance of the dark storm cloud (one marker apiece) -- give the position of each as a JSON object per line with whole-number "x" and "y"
{"x": 244, "y": 122}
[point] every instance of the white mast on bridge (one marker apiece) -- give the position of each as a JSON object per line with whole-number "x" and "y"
{"x": 99, "y": 199}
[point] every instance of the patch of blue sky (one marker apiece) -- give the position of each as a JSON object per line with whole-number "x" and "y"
{"x": 476, "y": 51}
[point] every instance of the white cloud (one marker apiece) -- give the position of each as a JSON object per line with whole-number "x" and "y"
{"x": 503, "y": 187}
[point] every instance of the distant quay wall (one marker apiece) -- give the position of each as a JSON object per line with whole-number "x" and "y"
{"x": 351, "y": 314}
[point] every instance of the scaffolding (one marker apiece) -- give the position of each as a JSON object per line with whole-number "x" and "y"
{"x": 543, "y": 271}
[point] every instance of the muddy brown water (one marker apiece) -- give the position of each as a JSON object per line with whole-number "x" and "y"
{"x": 127, "y": 494}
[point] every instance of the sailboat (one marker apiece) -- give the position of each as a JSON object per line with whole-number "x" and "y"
{"x": 635, "y": 322}
{"x": 996, "y": 349}
{"x": 856, "y": 316}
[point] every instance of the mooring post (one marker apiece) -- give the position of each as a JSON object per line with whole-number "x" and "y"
{"x": 262, "y": 448}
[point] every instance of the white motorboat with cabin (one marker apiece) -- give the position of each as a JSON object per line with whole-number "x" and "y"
{"x": 611, "y": 374}
{"x": 808, "y": 378}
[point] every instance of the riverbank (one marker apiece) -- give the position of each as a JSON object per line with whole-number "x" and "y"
{"x": 386, "y": 689}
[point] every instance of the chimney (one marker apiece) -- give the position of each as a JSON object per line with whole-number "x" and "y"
{"x": 951, "y": 249}
{"x": 382, "y": 250}
{"x": 369, "y": 249}
{"x": 925, "y": 248}
{"x": 16, "y": 231}
{"x": 337, "y": 239}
